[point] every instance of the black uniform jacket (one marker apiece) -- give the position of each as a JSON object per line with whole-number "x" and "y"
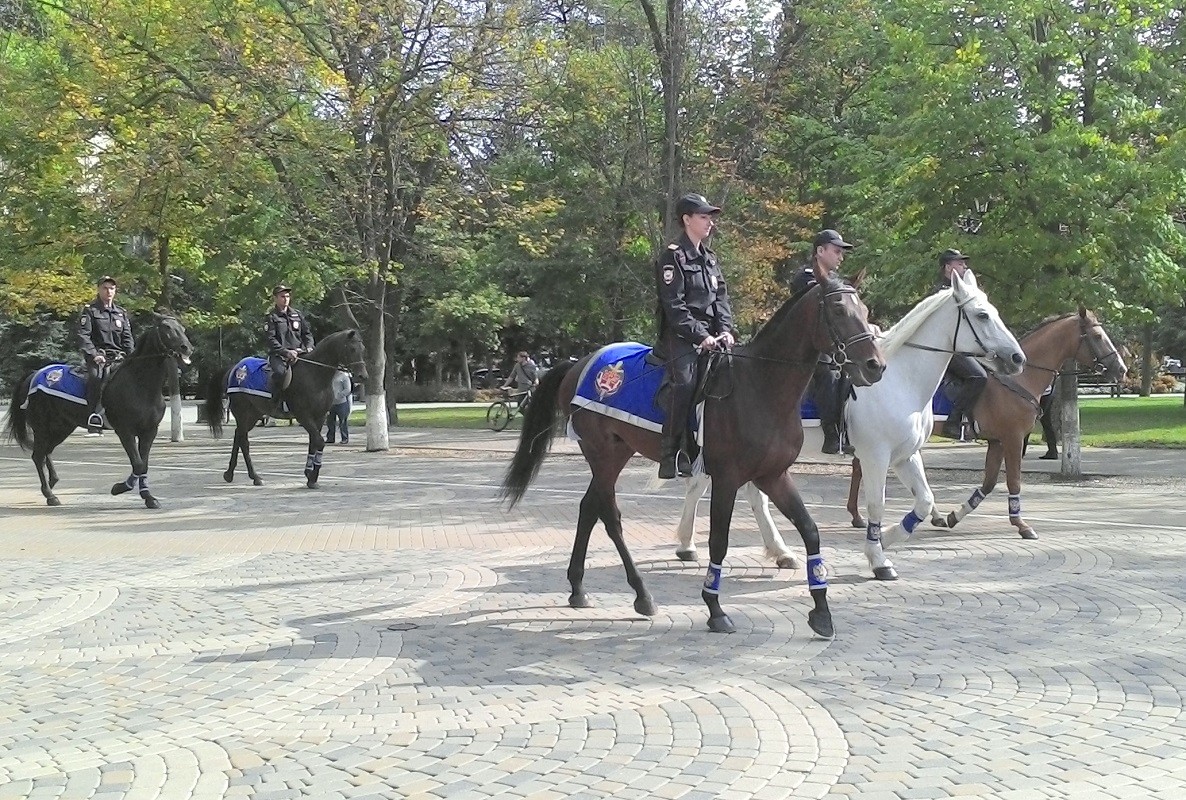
{"x": 287, "y": 330}
{"x": 102, "y": 328}
{"x": 693, "y": 298}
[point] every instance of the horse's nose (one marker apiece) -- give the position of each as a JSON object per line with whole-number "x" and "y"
{"x": 1019, "y": 358}
{"x": 875, "y": 366}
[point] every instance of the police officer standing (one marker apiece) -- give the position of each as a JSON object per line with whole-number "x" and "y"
{"x": 694, "y": 315}
{"x": 288, "y": 337}
{"x": 828, "y": 250}
{"x": 966, "y": 375}
{"x": 104, "y": 336}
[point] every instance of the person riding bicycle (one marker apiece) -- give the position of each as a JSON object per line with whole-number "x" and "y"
{"x": 524, "y": 378}
{"x": 103, "y": 330}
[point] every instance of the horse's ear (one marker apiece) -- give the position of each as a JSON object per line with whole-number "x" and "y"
{"x": 1082, "y": 311}
{"x": 352, "y": 334}
{"x": 856, "y": 280}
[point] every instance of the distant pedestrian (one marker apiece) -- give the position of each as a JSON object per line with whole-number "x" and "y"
{"x": 339, "y": 412}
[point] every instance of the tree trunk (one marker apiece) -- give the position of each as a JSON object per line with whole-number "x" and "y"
{"x": 1147, "y": 360}
{"x": 176, "y": 422}
{"x": 465, "y": 379}
{"x": 378, "y": 437}
{"x": 1068, "y": 401}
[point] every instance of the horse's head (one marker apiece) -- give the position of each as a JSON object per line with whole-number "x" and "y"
{"x": 849, "y": 339}
{"x": 345, "y": 349}
{"x": 172, "y": 337}
{"x": 1096, "y": 351}
{"x": 980, "y": 332}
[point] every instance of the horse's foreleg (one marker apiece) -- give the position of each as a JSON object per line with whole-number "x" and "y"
{"x": 787, "y": 499}
{"x": 53, "y": 472}
{"x": 1012, "y": 452}
{"x": 138, "y": 480}
{"x": 854, "y": 495}
{"x": 685, "y": 550}
{"x": 316, "y": 455}
{"x": 992, "y": 469}
{"x": 144, "y": 447}
{"x": 724, "y": 494}
{"x": 586, "y": 518}
{"x": 776, "y": 548}
{"x": 912, "y": 474}
{"x": 883, "y": 568}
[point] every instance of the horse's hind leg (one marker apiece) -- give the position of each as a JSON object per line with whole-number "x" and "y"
{"x": 41, "y": 461}
{"x": 854, "y": 494}
{"x": 786, "y": 498}
{"x": 776, "y": 548}
{"x": 586, "y": 519}
{"x": 686, "y": 532}
{"x": 53, "y": 472}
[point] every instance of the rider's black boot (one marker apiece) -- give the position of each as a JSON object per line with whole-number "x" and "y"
{"x": 831, "y": 440}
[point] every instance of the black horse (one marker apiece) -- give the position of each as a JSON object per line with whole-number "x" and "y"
{"x": 309, "y": 396}
{"x": 753, "y": 432}
{"x": 133, "y": 397}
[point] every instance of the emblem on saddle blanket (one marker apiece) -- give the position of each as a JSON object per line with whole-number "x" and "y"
{"x": 241, "y": 373}
{"x": 53, "y": 377}
{"x": 610, "y": 380}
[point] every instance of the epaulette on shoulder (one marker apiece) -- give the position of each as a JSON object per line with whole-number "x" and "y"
{"x": 673, "y": 246}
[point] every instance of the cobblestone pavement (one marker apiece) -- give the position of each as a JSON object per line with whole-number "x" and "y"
{"x": 400, "y": 634}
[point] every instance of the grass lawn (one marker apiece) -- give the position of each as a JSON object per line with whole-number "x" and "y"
{"x": 1157, "y": 421}
{"x": 471, "y": 417}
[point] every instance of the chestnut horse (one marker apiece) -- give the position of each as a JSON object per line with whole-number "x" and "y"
{"x": 1007, "y": 409}
{"x": 752, "y": 432}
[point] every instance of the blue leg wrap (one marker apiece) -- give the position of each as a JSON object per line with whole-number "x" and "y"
{"x": 317, "y": 458}
{"x": 873, "y": 532}
{"x": 910, "y": 522}
{"x": 1014, "y": 505}
{"x": 712, "y": 580}
{"x": 309, "y": 462}
{"x": 817, "y": 573}
{"x": 975, "y": 499}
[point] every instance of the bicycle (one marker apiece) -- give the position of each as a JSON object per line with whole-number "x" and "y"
{"x": 501, "y": 412}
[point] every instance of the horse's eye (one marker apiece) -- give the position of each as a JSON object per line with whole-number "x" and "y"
{"x": 983, "y": 316}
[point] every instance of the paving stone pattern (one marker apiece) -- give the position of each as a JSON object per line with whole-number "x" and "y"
{"x": 400, "y": 634}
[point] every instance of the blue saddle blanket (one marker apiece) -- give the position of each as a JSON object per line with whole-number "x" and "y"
{"x": 59, "y": 380}
{"x": 249, "y": 376}
{"x": 619, "y": 382}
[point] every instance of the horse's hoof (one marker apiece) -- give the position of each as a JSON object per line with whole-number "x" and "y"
{"x": 119, "y": 488}
{"x": 151, "y": 502}
{"x": 821, "y": 623}
{"x": 721, "y": 624}
{"x": 858, "y": 522}
{"x": 787, "y": 562}
{"x": 52, "y": 500}
{"x": 885, "y": 574}
{"x": 686, "y": 555}
{"x": 645, "y": 606}
{"x": 258, "y": 481}
{"x": 952, "y": 519}
{"x": 938, "y": 521}
{"x": 579, "y": 601}
{"x": 1028, "y": 533}
{"x": 228, "y": 476}
{"x": 312, "y": 484}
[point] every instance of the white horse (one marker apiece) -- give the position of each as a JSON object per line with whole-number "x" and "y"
{"x": 888, "y": 426}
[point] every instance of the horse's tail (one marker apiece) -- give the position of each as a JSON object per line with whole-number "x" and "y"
{"x": 215, "y": 393}
{"x": 17, "y": 427}
{"x": 539, "y": 426}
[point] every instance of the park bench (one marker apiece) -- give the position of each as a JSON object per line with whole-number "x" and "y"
{"x": 1090, "y": 383}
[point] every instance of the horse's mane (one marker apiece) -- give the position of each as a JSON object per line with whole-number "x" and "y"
{"x": 783, "y": 311}
{"x": 893, "y": 339}
{"x": 1048, "y": 321}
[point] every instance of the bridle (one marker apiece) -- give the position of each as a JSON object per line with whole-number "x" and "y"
{"x": 840, "y": 345}
{"x": 1099, "y": 363}
{"x": 162, "y": 350}
{"x": 959, "y": 320}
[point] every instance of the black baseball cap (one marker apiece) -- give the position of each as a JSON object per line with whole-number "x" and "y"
{"x": 829, "y": 236}
{"x": 694, "y": 204}
{"x": 107, "y": 279}
{"x": 280, "y": 289}
{"x": 951, "y": 254}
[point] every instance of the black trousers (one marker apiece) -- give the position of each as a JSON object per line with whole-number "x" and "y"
{"x": 967, "y": 378}
{"x": 680, "y": 365}
{"x": 95, "y": 375}
{"x": 827, "y": 386}
{"x": 279, "y": 370}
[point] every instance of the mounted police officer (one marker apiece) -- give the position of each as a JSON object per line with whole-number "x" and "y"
{"x": 828, "y": 387}
{"x": 694, "y": 315}
{"x": 288, "y": 337}
{"x": 965, "y": 374}
{"x": 105, "y": 337}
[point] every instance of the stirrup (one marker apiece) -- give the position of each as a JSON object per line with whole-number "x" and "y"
{"x": 94, "y": 421}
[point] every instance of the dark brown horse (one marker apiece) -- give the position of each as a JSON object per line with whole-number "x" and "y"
{"x": 309, "y": 395}
{"x": 753, "y": 432}
{"x": 1007, "y": 409}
